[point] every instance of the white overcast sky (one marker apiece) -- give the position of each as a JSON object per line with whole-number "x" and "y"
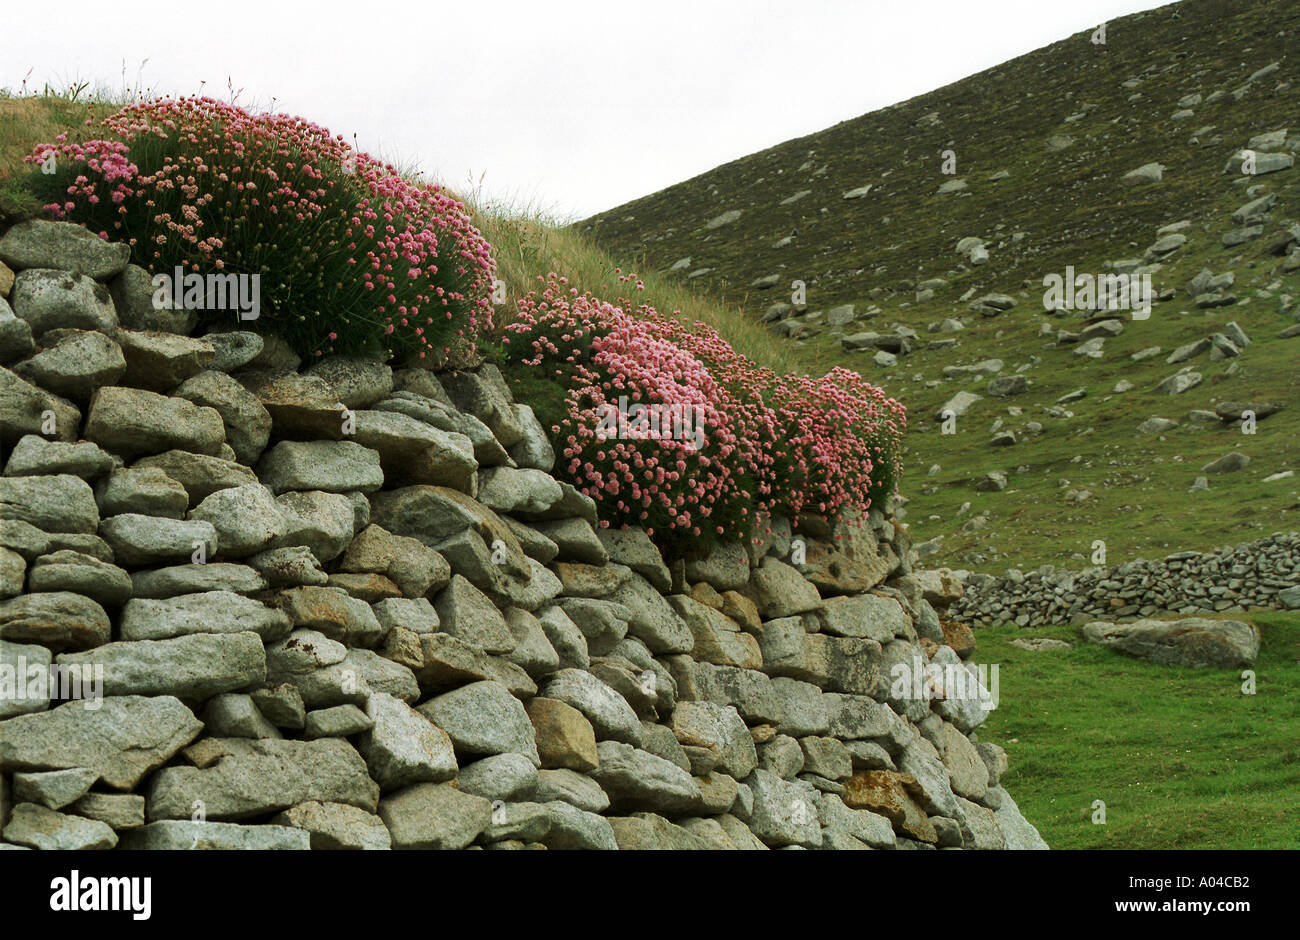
{"x": 571, "y": 106}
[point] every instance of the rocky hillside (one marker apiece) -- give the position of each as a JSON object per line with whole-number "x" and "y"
{"x": 247, "y": 604}
{"x": 925, "y": 234}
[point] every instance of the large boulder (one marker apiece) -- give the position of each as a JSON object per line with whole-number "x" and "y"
{"x": 1194, "y": 641}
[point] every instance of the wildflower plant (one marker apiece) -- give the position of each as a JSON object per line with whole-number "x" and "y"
{"x": 352, "y": 257}
{"x": 772, "y": 445}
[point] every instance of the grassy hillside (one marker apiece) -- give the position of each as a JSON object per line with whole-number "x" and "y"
{"x": 1119, "y": 103}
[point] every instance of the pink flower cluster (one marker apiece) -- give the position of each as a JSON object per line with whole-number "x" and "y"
{"x": 207, "y": 184}
{"x": 792, "y": 445}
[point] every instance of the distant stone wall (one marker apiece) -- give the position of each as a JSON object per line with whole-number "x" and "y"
{"x": 349, "y": 606}
{"x": 1260, "y": 574}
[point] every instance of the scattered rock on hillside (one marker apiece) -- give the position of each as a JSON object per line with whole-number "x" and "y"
{"x": 1194, "y": 642}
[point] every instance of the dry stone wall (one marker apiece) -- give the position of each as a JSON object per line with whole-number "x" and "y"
{"x": 348, "y": 606}
{"x": 1253, "y": 575}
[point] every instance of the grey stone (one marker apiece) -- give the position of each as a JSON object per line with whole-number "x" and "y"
{"x": 328, "y": 466}
{"x": 484, "y": 718}
{"x": 1194, "y": 641}
{"x": 233, "y": 350}
{"x": 35, "y": 456}
{"x": 57, "y": 620}
{"x": 74, "y": 364}
{"x": 58, "y": 503}
{"x": 356, "y": 381}
{"x": 334, "y": 826}
{"x": 636, "y": 779}
{"x": 785, "y": 812}
{"x": 192, "y": 667}
{"x": 236, "y": 779}
{"x": 571, "y": 787}
{"x": 196, "y": 579}
{"x": 183, "y": 835}
{"x": 466, "y": 613}
{"x": 207, "y": 612}
{"x": 50, "y": 300}
{"x": 43, "y": 244}
{"x": 507, "y": 777}
{"x": 147, "y": 491}
{"x": 400, "y": 746}
{"x": 24, "y": 408}
{"x": 233, "y": 715}
{"x": 53, "y": 789}
{"x": 434, "y": 816}
{"x": 246, "y": 518}
{"x": 43, "y": 828}
{"x": 133, "y": 422}
{"x": 123, "y": 740}
{"x": 25, "y": 660}
{"x": 139, "y": 540}
{"x": 247, "y": 422}
{"x": 323, "y": 522}
{"x": 574, "y": 828}
{"x": 66, "y": 570}
{"x": 117, "y": 810}
{"x": 608, "y": 712}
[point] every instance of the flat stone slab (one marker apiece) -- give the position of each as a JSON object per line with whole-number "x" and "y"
{"x": 1194, "y": 641}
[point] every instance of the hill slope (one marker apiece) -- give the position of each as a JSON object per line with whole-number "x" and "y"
{"x": 1041, "y": 144}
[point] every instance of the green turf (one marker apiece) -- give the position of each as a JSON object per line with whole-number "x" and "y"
{"x": 1181, "y": 758}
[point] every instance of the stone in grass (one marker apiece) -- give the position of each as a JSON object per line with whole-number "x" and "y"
{"x": 1228, "y": 463}
{"x": 1194, "y": 641}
